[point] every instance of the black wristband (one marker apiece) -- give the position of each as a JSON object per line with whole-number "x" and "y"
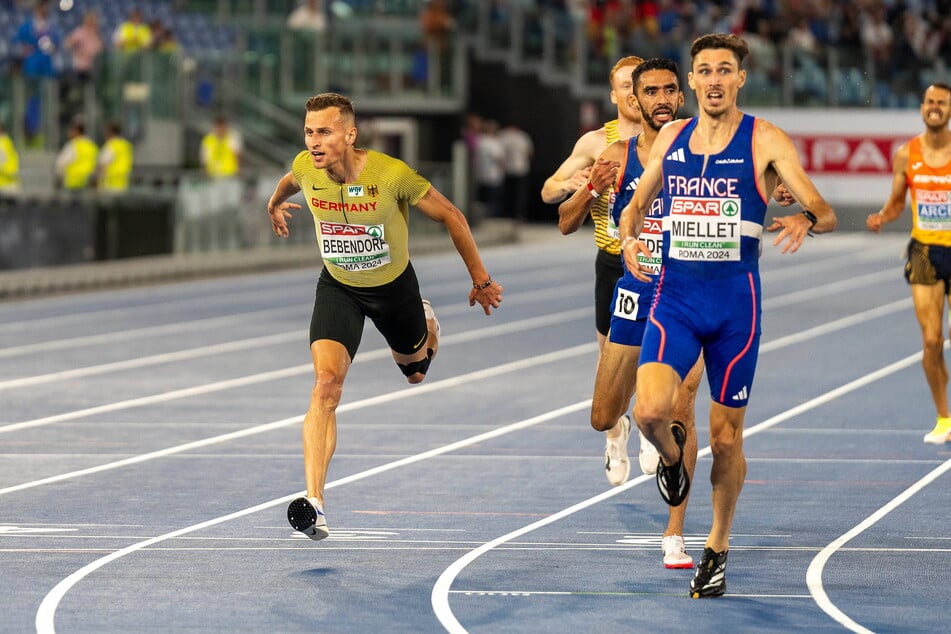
{"x": 484, "y": 285}
{"x": 811, "y": 217}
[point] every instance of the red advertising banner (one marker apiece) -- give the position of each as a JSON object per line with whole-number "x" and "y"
{"x": 842, "y": 154}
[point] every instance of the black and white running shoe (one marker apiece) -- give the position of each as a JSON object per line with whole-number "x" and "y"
{"x": 710, "y": 579}
{"x": 673, "y": 481}
{"x": 307, "y": 516}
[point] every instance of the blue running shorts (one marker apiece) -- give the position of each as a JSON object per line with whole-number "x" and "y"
{"x": 719, "y": 316}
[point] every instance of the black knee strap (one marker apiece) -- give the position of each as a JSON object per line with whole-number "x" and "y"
{"x": 422, "y": 366}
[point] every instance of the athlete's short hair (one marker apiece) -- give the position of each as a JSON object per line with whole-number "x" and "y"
{"x": 330, "y": 100}
{"x": 630, "y": 60}
{"x": 655, "y": 63}
{"x": 729, "y": 41}
{"x": 939, "y": 85}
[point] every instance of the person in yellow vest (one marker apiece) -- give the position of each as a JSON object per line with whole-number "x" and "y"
{"x": 133, "y": 35}
{"x": 9, "y": 164}
{"x": 76, "y": 163}
{"x": 115, "y": 160}
{"x": 221, "y": 150}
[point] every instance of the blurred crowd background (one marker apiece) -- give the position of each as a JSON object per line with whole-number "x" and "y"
{"x": 139, "y": 127}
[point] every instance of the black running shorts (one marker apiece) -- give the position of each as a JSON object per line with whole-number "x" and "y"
{"x": 396, "y": 310}
{"x": 607, "y": 270}
{"x": 928, "y": 264}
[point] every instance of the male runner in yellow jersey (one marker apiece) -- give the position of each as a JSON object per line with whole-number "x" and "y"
{"x": 583, "y": 170}
{"x": 923, "y": 166}
{"x": 360, "y": 202}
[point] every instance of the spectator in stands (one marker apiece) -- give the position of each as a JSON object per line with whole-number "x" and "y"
{"x": 490, "y": 169}
{"x": 34, "y": 44}
{"x": 76, "y": 163}
{"x": 877, "y": 35}
{"x": 9, "y": 164}
{"x": 221, "y": 150}
{"x": 310, "y": 15}
{"x": 115, "y": 160}
{"x": 519, "y": 149}
{"x": 436, "y": 24}
{"x": 163, "y": 40}
{"x": 133, "y": 35}
{"x": 85, "y": 44}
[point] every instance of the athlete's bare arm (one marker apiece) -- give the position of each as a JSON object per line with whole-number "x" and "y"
{"x": 774, "y": 150}
{"x": 573, "y": 172}
{"x": 895, "y": 204}
{"x": 437, "y": 207}
{"x": 278, "y": 208}
{"x": 602, "y": 176}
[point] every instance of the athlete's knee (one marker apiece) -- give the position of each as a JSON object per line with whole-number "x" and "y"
{"x": 328, "y": 388}
{"x": 933, "y": 342}
{"x": 725, "y": 440}
{"x": 650, "y": 411}
{"x": 415, "y": 371}
{"x": 602, "y": 419}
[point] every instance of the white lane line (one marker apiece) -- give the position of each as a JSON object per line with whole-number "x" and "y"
{"x": 837, "y": 324}
{"x": 477, "y": 334}
{"x": 139, "y": 333}
{"x": 402, "y": 393}
{"x": 595, "y": 593}
{"x": 814, "y": 573}
{"x": 45, "y": 615}
{"x": 825, "y": 290}
{"x": 768, "y": 346}
{"x": 194, "y": 353}
{"x": 53, "y": 318}
{"x": 155, "y": 359}
{"x": 440, "y": 593}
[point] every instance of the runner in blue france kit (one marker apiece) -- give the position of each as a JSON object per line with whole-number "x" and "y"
{"x": 714, "y": 172}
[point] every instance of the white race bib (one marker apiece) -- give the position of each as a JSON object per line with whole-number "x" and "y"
{"x": 353, "y": 247}
{"x": 705, "y": 229}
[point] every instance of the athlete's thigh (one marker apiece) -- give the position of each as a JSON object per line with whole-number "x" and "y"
{"x": 928, "y": 300}
{"x": 730, "y": 360}
{"x": 396, "y": 310}
{"x": 614, "y": 381}
{"x": 337, "y": 315}
{"x": 670, "y": 338}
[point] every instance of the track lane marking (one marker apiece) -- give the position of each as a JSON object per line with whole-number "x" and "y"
{"x": 439, "y": 597}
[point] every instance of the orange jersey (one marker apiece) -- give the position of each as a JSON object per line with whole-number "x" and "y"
{"x": 930, "y": 198}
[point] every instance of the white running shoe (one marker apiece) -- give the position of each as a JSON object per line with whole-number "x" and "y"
{"x": 616, "y": 465}
{"x": 647, "y": 456}
{"x": 434, "y": 339}
{"x": 307, "y": 516}
{"x": 675, "y": 553}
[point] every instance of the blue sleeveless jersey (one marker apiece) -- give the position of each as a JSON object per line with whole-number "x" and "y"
{"x": 652, "y": 232}
{"x": 715, "y": 214}
{"x": 633, "y": 298}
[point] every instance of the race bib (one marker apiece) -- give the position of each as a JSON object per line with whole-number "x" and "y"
{"x": 705, "y": 229}
{"x": 652, "y": 235}
{"x": 353, "y": 247}
{"x": 934, "y": 209}
{"x": 626, "y": 304}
